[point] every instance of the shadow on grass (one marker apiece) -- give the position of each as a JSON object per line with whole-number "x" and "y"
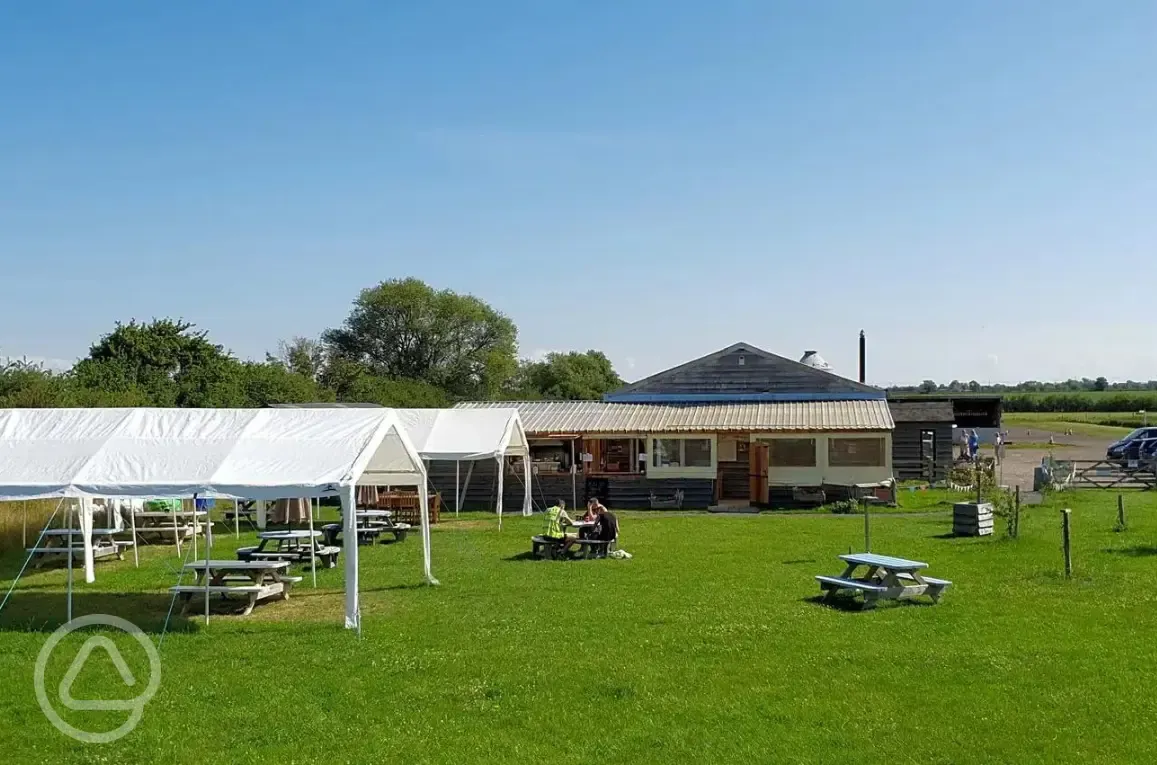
{"x": 45, "y": 611}
{"x": 948, "y": 535}
{"x": 1136, "y": 551}
{"x": 522, "y": 556}
{"x": 798, "y": 562}
{"x": 387, "y": 588}
{"x": 850, "y": 604}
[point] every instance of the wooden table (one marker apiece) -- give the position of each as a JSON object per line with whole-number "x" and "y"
{"x": 887, "y": 578}
{"x": 56, "y": 542}
{"x": 294, "y": 546}
{"x": 254, "y": 580}
{"x": 178, "y": 526}
{"x": 582, "y": 527}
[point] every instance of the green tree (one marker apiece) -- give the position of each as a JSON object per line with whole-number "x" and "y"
{"x": 353, "y": 383}
{"x": 166, "y": 362}
{"x": 300, "y": 355}
{"x": 1100, "y": 384}
{"x": 569, "y": 376}
{"x": 272, "y": 383}
{"x": 404, "y": 329}
{"x": 928, "y": 386}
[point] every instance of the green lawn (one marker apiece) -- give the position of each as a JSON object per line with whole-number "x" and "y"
{"x": 706, "y": 647}
{"x": 1082, "y": 423}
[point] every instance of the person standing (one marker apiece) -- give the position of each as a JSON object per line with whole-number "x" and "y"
{"x": 999, "y": 447}
{"x": 973, "y": 445}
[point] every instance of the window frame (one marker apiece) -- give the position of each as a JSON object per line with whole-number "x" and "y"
{"x": 680, "y": 455}
{"x": 815, "y": 453}
{"x": 883, "y": 452}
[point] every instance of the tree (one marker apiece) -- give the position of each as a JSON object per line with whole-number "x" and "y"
{"x": 569, "y": 376}
{"x": 166, "y": 362}
{"x": 272, "y": 383}
{"x": 1100, "y": 384}
{"x": 928, "y": 386}
{"x": 973, "y": 386}
{"x": 403, "y": 329}
{"x": 300, "y": 355}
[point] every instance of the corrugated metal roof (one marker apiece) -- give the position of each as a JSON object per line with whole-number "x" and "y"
{"x": 609, "y": 417}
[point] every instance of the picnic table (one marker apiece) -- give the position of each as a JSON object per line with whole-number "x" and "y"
{"x": 370, "y": 525}
{"x": 295, "y": 546}
{"x": 887, "y": 578}
{"x": 57, "y": 542}
{"x": 253, "y": 580}
{"x": 178, "y": 525}
{"x": 582, "y": 527}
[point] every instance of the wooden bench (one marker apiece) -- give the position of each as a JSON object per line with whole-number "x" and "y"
{"x": 833, "y": 584}
{"x": 667, "y": 502}
{"x": 936, "y": 587}
{"x": 252, "y": 592}
{"x": 546, "y": 547}
{"x": 593, "y": 548}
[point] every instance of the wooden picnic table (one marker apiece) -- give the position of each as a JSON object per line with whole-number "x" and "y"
{"x": 253, "y": 580}
{"x": 57, "y": 542}
{"x": 887, "y": 578}
{"x": 582, "y": 527}
{"x": 298, "y": 546}
{"x": 178, "y": 525}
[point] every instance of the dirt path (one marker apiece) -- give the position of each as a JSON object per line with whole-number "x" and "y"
{"x": 1019, "y": 462}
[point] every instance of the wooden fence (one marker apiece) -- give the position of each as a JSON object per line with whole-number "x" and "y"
{"x": 1103, "y": 474}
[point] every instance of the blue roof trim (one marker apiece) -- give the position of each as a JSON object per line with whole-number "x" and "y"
{"x": 697, "y": 398}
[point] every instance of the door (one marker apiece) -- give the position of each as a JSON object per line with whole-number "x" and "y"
{"x": 928, "y": 455}
{"x": 757, "y": 462}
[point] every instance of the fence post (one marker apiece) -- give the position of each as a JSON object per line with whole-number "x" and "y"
{"x": 1066, "y": 534}
{"x": 1016, "y": 514}
{"x": 867, "y": 528}
{"x": 1121, "y": 525}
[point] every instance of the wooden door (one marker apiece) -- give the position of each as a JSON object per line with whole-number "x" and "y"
{"x": 757, "y": 460}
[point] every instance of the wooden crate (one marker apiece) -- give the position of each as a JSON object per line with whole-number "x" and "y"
{"x": 970, "y": 519}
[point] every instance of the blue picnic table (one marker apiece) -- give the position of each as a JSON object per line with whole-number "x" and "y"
{"x": 887, "y": 578}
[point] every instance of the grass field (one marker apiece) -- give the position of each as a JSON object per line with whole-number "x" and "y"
{"x": 1094, "y": 424}
{"x": 707, "y": 646}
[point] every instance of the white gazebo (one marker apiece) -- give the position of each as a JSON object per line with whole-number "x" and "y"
{"x": 240, "y": 453}
{"x": 469, "y": 435}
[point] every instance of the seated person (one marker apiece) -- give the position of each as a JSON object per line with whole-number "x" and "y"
{"x": 554, "y": 519}
{"x": 606, "y": 526}
{"x": 593, "y": 507}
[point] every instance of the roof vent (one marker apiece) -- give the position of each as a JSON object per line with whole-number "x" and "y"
{"x": 814, "y": 360}
{"x": 742, "y": 360}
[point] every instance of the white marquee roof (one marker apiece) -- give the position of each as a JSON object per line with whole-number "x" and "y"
{"x": 465, "y": 434}
{"x": 252, "y": 453}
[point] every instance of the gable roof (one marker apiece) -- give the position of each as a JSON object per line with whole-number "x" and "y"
{"x": 921, "y": 411}
{"x": 744, "y": 372}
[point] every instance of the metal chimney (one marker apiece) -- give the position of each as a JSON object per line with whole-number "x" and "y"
{"x": 863, "y": 372}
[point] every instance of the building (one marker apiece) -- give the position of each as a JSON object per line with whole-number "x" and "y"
{"x": 927, "y": 425}
{"x": 737, "y": 426}
{"x": 922, "y": 441}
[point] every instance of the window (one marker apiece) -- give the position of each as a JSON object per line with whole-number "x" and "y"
{"x": 791, "y": 452}
{"x": 681, "y": 452}
{"x": 856, "y": 452}
{"x": 666, "y": 452}
{"x": 697, "y": 452}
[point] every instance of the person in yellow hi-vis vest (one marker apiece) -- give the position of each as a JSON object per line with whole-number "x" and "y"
{"x": 553, "y": 521}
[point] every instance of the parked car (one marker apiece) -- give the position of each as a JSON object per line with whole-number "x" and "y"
{"x": 1127, "y": 448}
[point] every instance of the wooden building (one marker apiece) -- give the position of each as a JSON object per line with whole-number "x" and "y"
{"x": 922, "y": 441}
{"x": 739, "y": 426}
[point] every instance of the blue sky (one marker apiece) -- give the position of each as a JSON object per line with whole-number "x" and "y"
{"x": 973, "y": 186}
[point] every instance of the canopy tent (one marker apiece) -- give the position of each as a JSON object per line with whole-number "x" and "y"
{"x": 466, "y": 435}
{"x": 239, "y": 453}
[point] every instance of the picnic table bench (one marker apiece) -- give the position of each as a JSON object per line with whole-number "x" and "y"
{"x": 252, "y": 580}
{"x": 887, "y": 578}
{"x": 289, "y": 547}
{"x": 178, "y": 525}
{"x": 57, "y": 542}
